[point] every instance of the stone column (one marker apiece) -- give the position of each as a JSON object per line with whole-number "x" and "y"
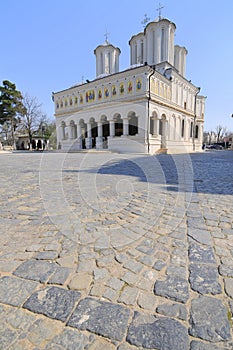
{"x": 79, "y": 135}
{"x": 62, "y": 132}
{"x": 164, "y": 134}
{"x": 112, "y": 128}
{"x": 155, "y": 131}
{"x": 99, "y": 139}
{"x": 125, "y": 126}
{"x": 89, "y": 136}
{"x": 70, "y": 132}
{"x": 100, "y": 129}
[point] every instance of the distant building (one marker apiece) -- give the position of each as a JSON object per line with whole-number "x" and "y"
{"x": 149, "y": 108}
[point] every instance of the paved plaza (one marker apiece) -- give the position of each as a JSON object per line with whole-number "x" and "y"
{"x": 104, "y": 251}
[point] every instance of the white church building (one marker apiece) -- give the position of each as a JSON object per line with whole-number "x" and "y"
{"x": 148, "y": 108}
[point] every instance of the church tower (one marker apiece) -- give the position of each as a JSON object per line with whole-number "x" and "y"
{"x": 155, "y": 45}
{"x": 107, "y": 59}
{"x": 180, "y": 59}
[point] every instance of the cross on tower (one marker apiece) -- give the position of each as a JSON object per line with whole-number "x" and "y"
{"x": 159, "y": 10}
{"x": 106, "y": 36}
{"x": 145, "y": 21}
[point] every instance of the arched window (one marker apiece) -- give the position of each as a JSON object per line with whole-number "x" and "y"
{"x": 191, "y": 129}
{"x": 182, "y": 128}
{"x": 163, "y": 45}
{"x": 152, "y": 125}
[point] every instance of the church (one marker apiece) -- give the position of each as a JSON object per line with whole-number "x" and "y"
{"x": 148, "y": 108}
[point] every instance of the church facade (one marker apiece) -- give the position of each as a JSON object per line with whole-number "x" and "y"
{"x": 148, "y": 108}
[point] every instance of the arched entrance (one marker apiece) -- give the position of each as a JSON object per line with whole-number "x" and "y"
{"x": 133, "y": 124}
{"x": 118, "y": 125}
{"x": 83, "y": 126}
{"x": 105, "y": 130}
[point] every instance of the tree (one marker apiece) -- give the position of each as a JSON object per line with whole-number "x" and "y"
{"x": 221, "y": 131}
{"x": 32, "y": 117}
{"x": 11, "y": 107}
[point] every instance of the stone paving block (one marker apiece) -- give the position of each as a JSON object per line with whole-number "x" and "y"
{"x": 42, "y": 331}
{"x": 197, "y": 345}
{"x": 174, "y": 288}
{"x": 159, "y": 265}
{"x": 36, "y": 270}
{"x": 20, "y": 319}
{"x": 46, "y": 255}
{"x": 115, "y": 283}
{"x": 68, "y": 339}
{"x": 80, "y": 281}
{"x": 173, "y": 310}
{"x": 226, "y": 270}
{"x": 133, "y": 266}
{"x": 101, "y": 345}
{"x": 100, "y": 274}
{"x": 201, "y": 236}
{"x": 102, "y": 318}
{"x": 201, "y": 254}
{"x": 60, "y": 275}
{"x": 130, "y": 278}
{"x": 15, "y": 291}
{"x": 54, "y": 302}
{"x": 174, "y": 270}
{"x": 204, "y": 279}
{"x": 128, "y": 295}
{"x": 228, "y": 283}
{"x": 208, "y": 319}
{"x": 157, "y": 333}
{"x": 110, "y": 294}
{"x": 7, "y": 336}
{"x": 146, "y": 301}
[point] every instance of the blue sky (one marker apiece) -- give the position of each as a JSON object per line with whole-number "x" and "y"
{"x": 47, "y": 45}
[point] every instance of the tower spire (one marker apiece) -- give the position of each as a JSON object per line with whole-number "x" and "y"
{"x": 159, "y": 10}
{"x": 106, "y": 36}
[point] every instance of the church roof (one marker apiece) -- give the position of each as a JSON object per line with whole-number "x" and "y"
{"x": 107, "y": 44}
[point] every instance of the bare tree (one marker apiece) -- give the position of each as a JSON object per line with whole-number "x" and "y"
{"x": 33, "y": 117}
{"x": 221, "y": 131}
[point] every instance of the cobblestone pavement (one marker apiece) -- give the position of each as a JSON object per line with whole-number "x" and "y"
{"x": 106, "y": 251}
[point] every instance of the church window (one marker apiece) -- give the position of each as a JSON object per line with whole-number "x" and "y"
{"x": 141, "y": 52}
{"x": 76, "y": 100}
{"x": 152, "y": 121}
{"x": 135, "y": 53}
{"x": 61, "y": 104}
{"x": 185, "y": 105}
{"x": 153, "y": 47}
{"x": 57, "y": 105}
{"x": 71, "y": 101}
{"x": 160, "y": 127}
{"x": 191, "y": 129}
{"x": 182, "y": 128}
{"x": 196, "y": 132}
{"x": 163, "y": 45}
{"x": 66, "y": 103}
{"x": 108, "y": 63}
{"x": 81, "y": 99}
{"x": 101, "y": 63}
